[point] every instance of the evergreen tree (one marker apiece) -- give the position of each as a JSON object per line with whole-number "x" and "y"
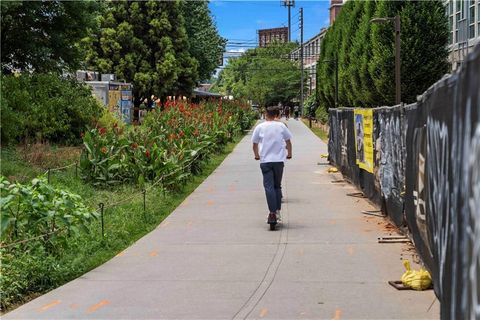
{"x": 366, "y": 52}
{"x": 424, "y": 47}
{"x": 144, "y": 43}
{"x": 382, "y": 63}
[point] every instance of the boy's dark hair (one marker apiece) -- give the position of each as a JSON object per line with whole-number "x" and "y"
{"x": 273, "y": 111}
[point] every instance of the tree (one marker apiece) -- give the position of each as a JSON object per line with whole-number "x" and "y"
{"x": 366, "y": 52}
{"x": 144, "y": 43}
{"x": 43, "y": 36}
{"x": 265, "y": 75}
{"x": 206, "y": 45}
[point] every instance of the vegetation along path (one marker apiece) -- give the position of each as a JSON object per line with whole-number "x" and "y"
{"x": 214, "y": 258}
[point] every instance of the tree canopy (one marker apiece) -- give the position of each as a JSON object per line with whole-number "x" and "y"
{"x": 366, "y": 54}
{"x": 266, "y": 76}
{"x": 43, "y": 36}
{"x": 145, "y": 43}
{"x": 205, "y": 44}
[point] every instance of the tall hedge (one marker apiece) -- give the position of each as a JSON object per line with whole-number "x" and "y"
{"x": 45, "y": 107}
{"x": 366, "y": 53}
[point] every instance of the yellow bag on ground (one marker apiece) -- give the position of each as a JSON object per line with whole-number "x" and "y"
{"x": 332, "y": 170}
{"x": 417, "y": 280}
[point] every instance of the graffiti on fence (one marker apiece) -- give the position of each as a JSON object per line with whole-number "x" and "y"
{"x": 427, "y": 176}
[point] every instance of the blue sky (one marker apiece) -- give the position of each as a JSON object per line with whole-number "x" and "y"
{"x": 240, "y": 20}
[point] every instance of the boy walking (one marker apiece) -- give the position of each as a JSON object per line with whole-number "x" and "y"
{"x": 269, "y": 140}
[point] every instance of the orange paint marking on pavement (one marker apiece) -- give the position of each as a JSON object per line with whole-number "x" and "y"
{"x": 338, "y": 313}
{"x": 210, "y": 190}
{"x": 164, "y": 224}
{"x": 263, "y": 312}
{"x": 97, "y": 306}
{"x": 210, "y": 202}
{"x": 50, "y": 305}
{"x": 350, "y": 250}
{"x": 332, "y": 222}
{"x": 73, "y": 306}
{"x": 153, "y": 253}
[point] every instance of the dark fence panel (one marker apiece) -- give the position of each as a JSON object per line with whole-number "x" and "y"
{"x": 427, "y": 177}
{"x": 390, "y": 161}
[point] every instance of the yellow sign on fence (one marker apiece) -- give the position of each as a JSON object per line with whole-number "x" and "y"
{"x": 363, "y": 119}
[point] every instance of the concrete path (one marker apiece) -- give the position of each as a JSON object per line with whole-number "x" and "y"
{"x": 214, "y": 258}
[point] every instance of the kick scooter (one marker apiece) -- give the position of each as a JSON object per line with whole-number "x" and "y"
{"x": 272, "y": 221}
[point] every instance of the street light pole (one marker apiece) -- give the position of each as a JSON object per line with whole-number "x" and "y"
{"x": 289, "y": 4}
{"x": 301, "y": 61}
{"x": 398, "y": 81}
{"x": 398, "y": 94}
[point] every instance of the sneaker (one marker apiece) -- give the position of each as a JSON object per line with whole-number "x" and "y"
{"x": 272, "y": 218}
{"x": 279, "y": 217}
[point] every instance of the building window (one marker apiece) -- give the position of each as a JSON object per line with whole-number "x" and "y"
{"x": 471, "y": 31}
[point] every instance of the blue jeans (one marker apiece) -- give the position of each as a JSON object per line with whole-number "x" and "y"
{"x": 272, "y": 182}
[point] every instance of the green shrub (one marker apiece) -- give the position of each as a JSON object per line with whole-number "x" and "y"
{"x": 45, "y": 107}
{"x": 321, "y": 114}
{"x": 167, "y": 143}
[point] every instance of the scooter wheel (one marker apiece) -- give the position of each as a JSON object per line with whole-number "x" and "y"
{"x": 272, "y": 226}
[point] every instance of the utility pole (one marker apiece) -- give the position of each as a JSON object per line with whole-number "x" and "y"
{"x": 289, "y": 4}
{"x": 301, "y": 61}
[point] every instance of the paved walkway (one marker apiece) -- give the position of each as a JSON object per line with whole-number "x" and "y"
{"x": 214, "y": 258}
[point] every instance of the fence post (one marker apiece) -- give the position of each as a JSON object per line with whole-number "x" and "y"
{"x": 48, "y": 175}
{"x": 101, "y": 205}
{"x": 144, "y": 205}
{"x": 76, "y": 169}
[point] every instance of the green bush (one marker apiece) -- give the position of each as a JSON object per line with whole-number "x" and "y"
{"x": 321, "y": 114}
{"x": 45, "y": 107}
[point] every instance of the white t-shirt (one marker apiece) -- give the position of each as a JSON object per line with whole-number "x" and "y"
{"x": 271, "y": 137}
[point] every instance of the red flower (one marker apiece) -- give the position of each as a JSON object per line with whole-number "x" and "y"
{"x": 147, "y": 153}
{"x": 102, "y": 131}
{"x": 134, "y": 146}
{"x": 104, "y": 150}
{"x": 181, "y": 134}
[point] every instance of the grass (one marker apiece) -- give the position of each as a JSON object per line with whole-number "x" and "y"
{"x": 317, "y": 130}
{"x": 124, "y": 225}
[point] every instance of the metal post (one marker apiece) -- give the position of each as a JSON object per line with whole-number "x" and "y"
{"x": 398, "y": 95}
{"x": 301, "y": 61}
{"x": 289, "y": 4}
{"x": 101, "y": 205}
{"x": 144, "y": 205}
{"x": 289, "y": 22}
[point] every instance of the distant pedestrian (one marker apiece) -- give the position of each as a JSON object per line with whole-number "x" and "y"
{"x": 296, "y": 112}
{"x": 269, "y": 141}
{"x": 286, "y": 111}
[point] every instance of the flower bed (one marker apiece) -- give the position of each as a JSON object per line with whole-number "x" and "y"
{"x": 167, "y": 145}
